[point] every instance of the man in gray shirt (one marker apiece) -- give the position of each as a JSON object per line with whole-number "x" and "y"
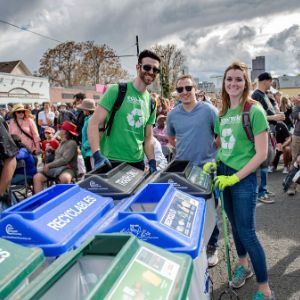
{"x": 190, "y": 127}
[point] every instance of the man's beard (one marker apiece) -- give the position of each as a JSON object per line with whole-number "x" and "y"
{"x": 143, "y": 78}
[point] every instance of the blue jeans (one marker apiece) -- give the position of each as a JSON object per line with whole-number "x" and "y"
{"x": 240, "y": 207}
{"x": 262, "y": 188}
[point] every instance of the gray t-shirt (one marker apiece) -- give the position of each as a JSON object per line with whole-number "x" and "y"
{"x": 194, "y": 132}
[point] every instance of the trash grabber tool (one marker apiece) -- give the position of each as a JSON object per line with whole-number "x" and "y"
{"x": 229, "y": 292}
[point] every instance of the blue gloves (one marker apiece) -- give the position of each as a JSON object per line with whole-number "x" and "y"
{"x": 152, "y": 166}
{"x": 223, "y": 181}
{"x": 100, "y": 160}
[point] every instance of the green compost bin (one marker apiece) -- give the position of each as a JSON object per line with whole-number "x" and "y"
{"x": 16, "y": 264}
{"x": 113, "y": 266}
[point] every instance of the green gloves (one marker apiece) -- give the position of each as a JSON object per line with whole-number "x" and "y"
{"x": 223, "y": 181}
{"x": 210, "y": 166}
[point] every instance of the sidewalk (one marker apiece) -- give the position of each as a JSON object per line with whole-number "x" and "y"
{"x": 278, "y": 228}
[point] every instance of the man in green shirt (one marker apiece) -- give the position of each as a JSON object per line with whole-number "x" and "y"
{"x": 132, "y": 131}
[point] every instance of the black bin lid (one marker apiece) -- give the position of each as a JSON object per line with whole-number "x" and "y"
{"x": 118, "y": 183}
{"x": 105, "y": 170}
{"x": 202, "y": 190}
{"x": 177, "y": 166}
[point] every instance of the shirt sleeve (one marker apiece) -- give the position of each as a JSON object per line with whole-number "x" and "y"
{"x": 34, "y": 134}
{"x": 170, "y": 127}
{"x": 69, "y": 153}
{"x": 109, "y": 98}
{"x": 217, "y": 126}
{"x": 8, "y": 147}
{"x": 259, "y": 121}
{"x": 152, "y": 118}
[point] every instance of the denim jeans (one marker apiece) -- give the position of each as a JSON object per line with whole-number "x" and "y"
{"x": 240, "y": 207}
{"x": 262, "y": 188}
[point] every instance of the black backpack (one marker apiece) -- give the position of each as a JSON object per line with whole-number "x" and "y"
{"x": 118, "y": 103}
{"x": 248, "y": 128}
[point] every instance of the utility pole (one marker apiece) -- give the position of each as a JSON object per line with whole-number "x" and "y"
{"x": 137, "y": 45}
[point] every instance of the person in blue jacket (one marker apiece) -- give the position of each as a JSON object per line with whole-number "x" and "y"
{"x": 30, "y": 163}
{"x": 88, "y": 107}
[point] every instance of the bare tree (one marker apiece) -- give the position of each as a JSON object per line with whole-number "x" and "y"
{"x": 62, "y": 63}
{"x": 84, "y": 63}
{"x": 101, "y": 64}
{"x": 172, "y": 61}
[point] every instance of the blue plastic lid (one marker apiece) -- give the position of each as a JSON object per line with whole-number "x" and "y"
{"x": 161, "y": 215}
{"x": 55, "y": 220}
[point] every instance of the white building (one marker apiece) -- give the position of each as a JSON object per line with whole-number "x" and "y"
{"x": 18, "y": 85}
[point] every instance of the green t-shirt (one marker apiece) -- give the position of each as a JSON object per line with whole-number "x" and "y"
{"x": 236, "y": 149}
{"x": 125, "y": 142}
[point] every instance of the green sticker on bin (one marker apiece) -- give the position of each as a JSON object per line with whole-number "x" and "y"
{"x": 148, "y": 276}
{"x": 16, "y": 264}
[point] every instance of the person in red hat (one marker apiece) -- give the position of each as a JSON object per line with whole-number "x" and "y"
{"x": 64, "y": 166}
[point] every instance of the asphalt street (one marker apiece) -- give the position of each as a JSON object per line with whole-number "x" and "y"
{"x": 278, "y": 228}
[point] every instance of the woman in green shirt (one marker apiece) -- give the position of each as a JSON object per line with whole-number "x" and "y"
{"x": 238, "y": 159}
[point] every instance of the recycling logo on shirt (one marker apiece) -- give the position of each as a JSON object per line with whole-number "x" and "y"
{"x": 227, "y": 139}
{"x": 135, "y": 118}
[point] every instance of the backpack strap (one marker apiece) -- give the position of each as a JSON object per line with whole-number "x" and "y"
{"x": 247, "y": 121}
{"x": 117, "y": 105}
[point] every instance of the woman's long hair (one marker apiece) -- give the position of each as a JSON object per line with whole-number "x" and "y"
{"x": 285, "y": 104}
{"x": 245, "y": 97}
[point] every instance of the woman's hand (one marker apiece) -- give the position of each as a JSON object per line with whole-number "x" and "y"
{"x": 223, "y": 181}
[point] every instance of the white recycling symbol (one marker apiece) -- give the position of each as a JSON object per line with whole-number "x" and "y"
{"x": 227, "y": 139}
{"x": 135, "y": 118}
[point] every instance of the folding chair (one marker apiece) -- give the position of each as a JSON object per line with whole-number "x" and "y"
{"x": 20, "y": 190}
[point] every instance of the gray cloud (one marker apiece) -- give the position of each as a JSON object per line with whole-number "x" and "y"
{"x": 116, "y": 23}
{"x": 245, "y": 33}
{"x": 281, "y": 40}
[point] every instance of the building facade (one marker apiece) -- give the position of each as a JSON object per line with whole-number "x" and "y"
{"x": 61, "y": 94}
{"x": 18, "y": 85}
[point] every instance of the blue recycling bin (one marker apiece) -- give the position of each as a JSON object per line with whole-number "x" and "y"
{"x": 57, "y": 219}
{"x": 118, "y": 182}
{"x": 191, "y": 179}
{"x": 168, "y": 218}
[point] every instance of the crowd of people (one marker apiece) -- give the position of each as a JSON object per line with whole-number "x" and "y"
{"x": 61, "y": 142}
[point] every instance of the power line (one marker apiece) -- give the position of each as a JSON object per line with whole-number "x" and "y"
{"x": 125, "y": 55}
{"x": 52, "y": 39}
{"x": 25, "y": 29}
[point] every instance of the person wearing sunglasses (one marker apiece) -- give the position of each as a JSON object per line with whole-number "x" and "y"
{"x": 23, "y": 125}
{"x": 202, "y": 97}
{"x": 132, "y": 132}
{"x": 190, "y": 127}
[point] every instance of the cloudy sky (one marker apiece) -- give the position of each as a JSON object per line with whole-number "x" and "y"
{"x": 210, "y": 33}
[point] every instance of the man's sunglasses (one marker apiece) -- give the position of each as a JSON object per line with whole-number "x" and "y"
{"x": 180, "y": 89}
{"x": 148, "y": 68}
